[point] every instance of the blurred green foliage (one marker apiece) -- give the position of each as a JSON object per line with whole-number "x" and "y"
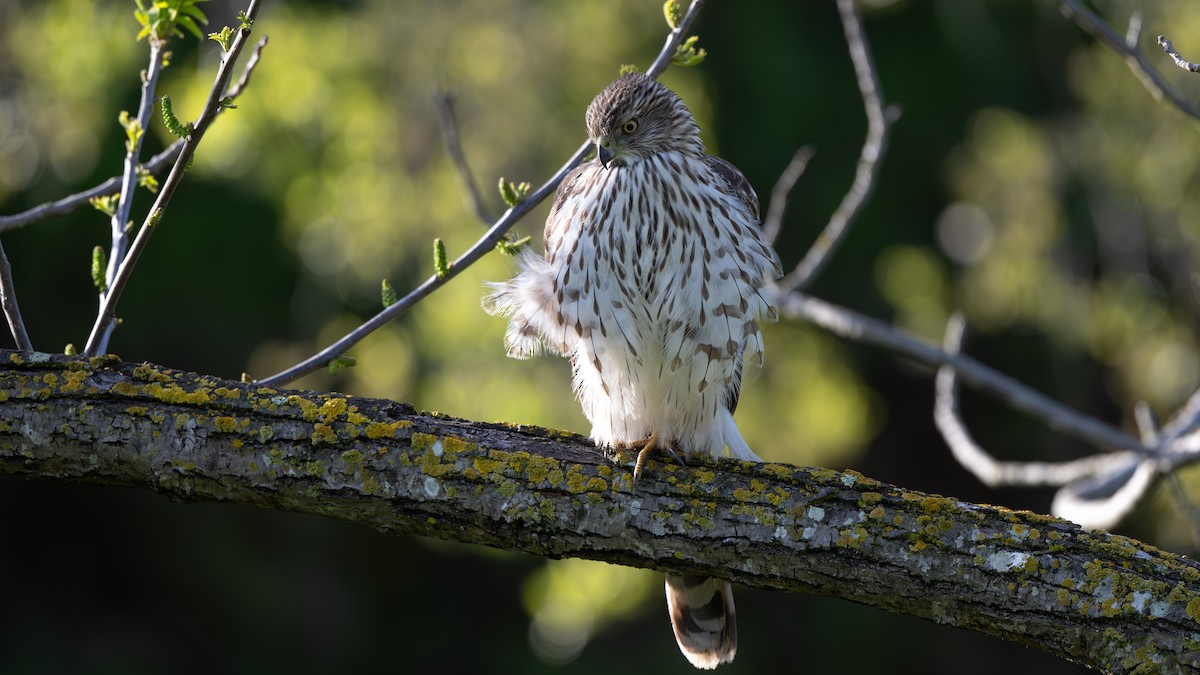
{"x": 1032, "y": 182}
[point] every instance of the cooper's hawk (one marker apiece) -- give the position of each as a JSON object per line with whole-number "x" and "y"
{"x": 652, "y": 283}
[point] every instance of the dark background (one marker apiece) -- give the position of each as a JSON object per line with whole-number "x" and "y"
{"x": 334, "y": 154}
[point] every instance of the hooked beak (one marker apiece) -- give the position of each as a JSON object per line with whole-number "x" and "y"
{"x": 604, "y": 152}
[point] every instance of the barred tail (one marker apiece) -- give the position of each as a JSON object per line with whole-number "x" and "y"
{"x": 702, "y": 616}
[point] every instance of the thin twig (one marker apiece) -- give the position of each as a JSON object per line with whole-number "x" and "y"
{"x": 484, "y": 245}
{"x": 859, "y": 328}
{"x": 167, "y": 190}
{"x": 113, "y": 185}
{"x": 1179, "y": 60}
{"x": 773, "y": 222}
{"x": 133, "y": 151}
{"x": 12, "y": 312}
{"x": 445, "y": 108}
{"x": 673, "y": 39}
{"x": 1134, "y": 57}
{"x": 878, "y": 123}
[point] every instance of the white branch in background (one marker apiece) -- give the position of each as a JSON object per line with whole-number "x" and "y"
{"x": 1096, "y": 491}
{"x": 484, "y": 245}
{"x": 1179, "y": 60}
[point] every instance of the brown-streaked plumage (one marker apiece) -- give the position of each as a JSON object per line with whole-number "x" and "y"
{"x": 652, "y": 283}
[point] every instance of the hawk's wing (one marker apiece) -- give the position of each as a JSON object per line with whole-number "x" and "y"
{"x": 737, "y": 183}
{"x": 741, "y": 188}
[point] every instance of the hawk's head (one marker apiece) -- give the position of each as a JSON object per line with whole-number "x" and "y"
{"x": 636, "y": 117}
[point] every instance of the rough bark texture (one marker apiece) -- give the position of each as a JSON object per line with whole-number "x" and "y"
{"x": 1098, "y": 599}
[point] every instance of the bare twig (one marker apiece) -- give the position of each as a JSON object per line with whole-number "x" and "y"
{"x": 133, "y": 150}
{"x": 484, "y": 245}
{"x": 874, "y": 147}
{"x": 859, "y": 328}
{"x": 773, "y": 222}
{"x": 211, "y": 109}
{"x": 79, "y": 199}
{"x": 113, "y": 185}
{"x": 8, "y": 299}
{"x": 445, "y": 108}
{"x": 1134, "y": 57}
{"x": 1179, "y": 60}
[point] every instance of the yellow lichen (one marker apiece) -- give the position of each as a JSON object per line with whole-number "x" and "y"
{"x": 487, "y": 466}
{"x": 225, "y": 392}
{"x": 323, "y": 433}
{"x": 125, "y": 389}
{"x": 137, "y": 410}
{"x": 386, "y": 429}
{"x": 332, "y": 408}
{"x": 1193, "y": 609}
{"x": 537, "y": 470}
{"x": 176, "y": 394}
{"x": 225, "y": 424}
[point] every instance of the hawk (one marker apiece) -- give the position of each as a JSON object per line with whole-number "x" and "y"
{"x": 652, "y": 283}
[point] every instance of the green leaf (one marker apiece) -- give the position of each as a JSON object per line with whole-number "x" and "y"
{"x": 172, "y": 122}
{"x": 224, "y": 38}
{"x": 190, "y": 25}
{"x": 513, "y": 193}
{"x": 686, "y": 54}
{"x": 99, "y": 267}
{"x": 388, "y": 294}
{"x": 340, "y": 362}
{"x": 673, "y": 13}
{"x": 511, "y": 246}
{"x": 147, "y": 180}
{"x": 106, "y": 204}
{"x": 440, "y": 266}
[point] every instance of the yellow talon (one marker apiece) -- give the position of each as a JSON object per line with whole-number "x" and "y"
{"x": 651, "y": 445}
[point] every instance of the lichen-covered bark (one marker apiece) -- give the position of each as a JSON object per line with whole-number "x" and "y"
{"x": 1098, "y": 599}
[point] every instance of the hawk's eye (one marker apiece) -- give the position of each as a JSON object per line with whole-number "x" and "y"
{"x": 629, "y": 127}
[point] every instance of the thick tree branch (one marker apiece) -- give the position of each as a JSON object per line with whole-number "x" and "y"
{"x": 1098, "y": 599}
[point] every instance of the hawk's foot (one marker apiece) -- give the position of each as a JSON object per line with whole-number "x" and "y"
{"x": 651, "y": 445}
